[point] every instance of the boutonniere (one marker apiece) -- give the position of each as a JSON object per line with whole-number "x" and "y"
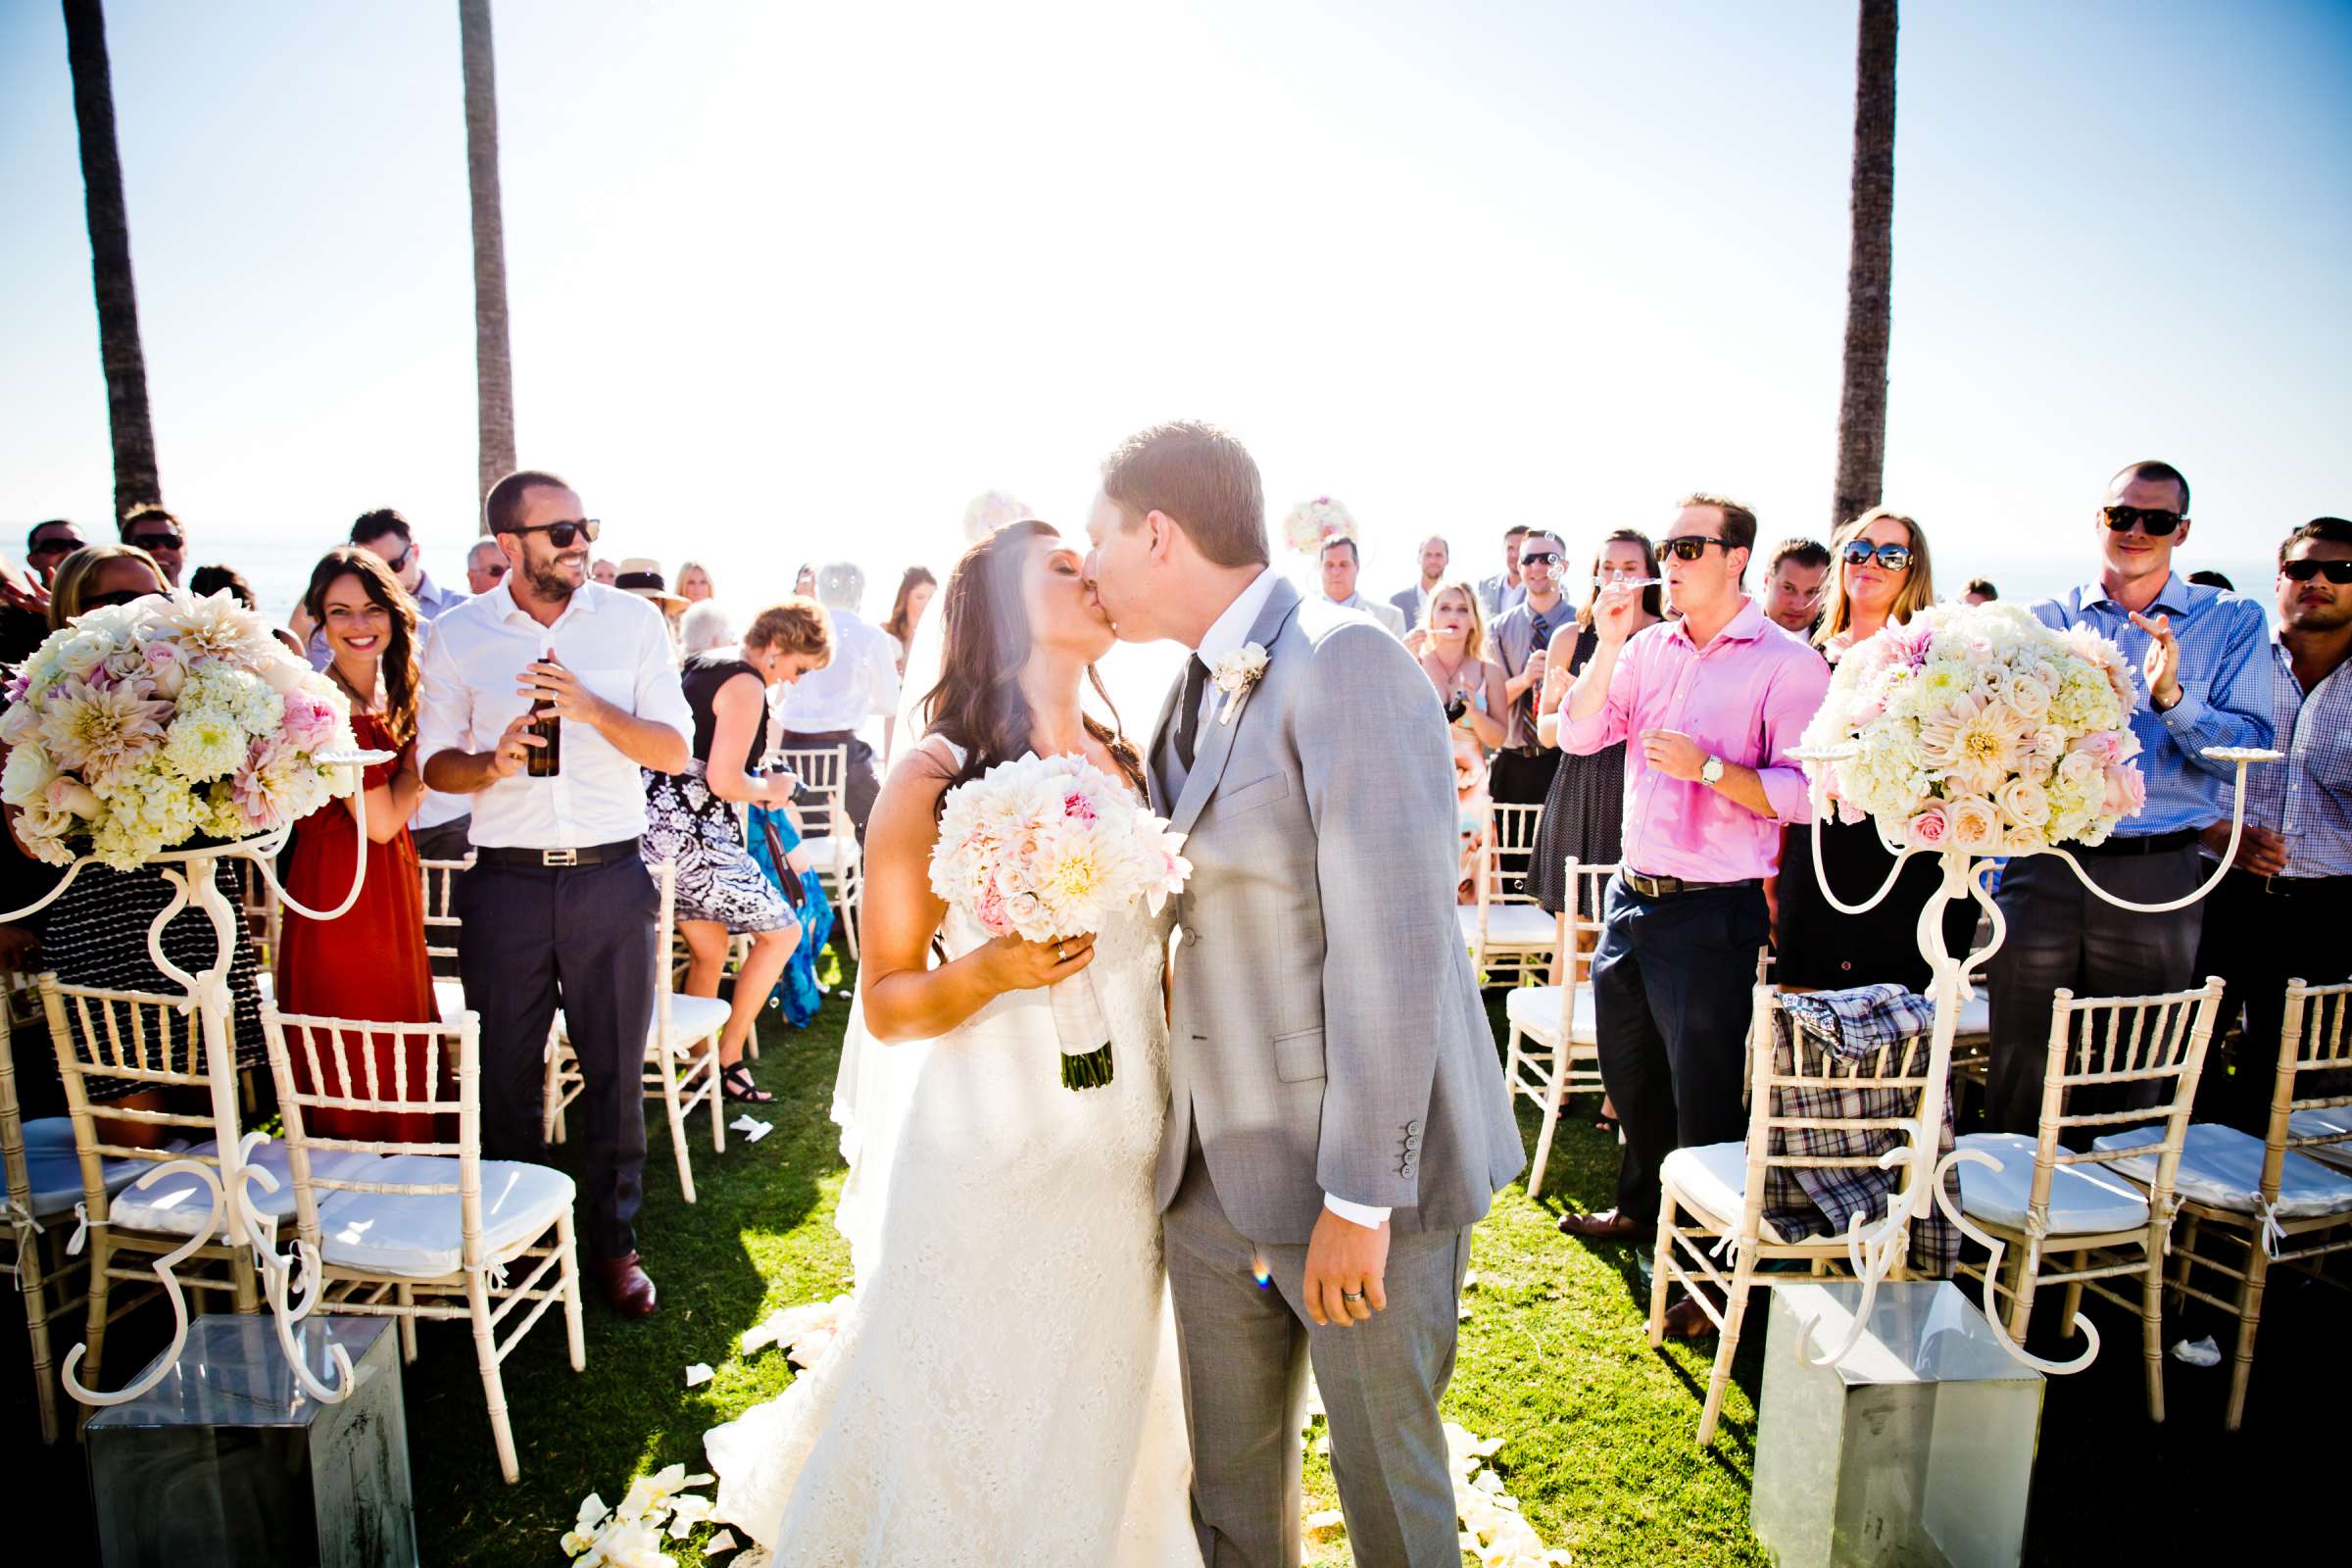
{"x": 1234, "y": 675}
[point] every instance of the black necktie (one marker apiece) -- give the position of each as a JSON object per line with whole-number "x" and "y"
{"x": 1188, "y": 710}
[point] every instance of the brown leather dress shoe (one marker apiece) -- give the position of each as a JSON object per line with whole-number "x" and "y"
{"x": 1685, "y": 1319}
{"x": 626, "y": 1285}
{"x": 1606, "y": 1226}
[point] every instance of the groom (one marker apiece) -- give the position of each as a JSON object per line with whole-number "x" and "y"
{"x": 1338, "y": 1118}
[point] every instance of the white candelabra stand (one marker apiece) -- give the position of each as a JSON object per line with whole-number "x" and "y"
{"x": 1876, "y": 1249}
{"x": 191, "y": 874}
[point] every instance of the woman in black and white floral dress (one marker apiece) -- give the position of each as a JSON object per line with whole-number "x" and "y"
{"x": 691, "y": 819}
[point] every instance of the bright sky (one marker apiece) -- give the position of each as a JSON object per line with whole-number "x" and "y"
{"x": 796, "y": 281}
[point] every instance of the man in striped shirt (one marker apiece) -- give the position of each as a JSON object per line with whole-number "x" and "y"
{"x": 2282, "y": 913}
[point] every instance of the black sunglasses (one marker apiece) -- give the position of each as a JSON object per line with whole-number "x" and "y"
{"x": 2338, "y": 572}
{"x": 53, "y": 547}
{"x": 120, "y": 596}
{"x": 155, "y": 541}
{"x": 1894, "y": 558}
{"x": 561, "y": 534}
{"x": 493, "y": 572}
{"x": 1692, "y": 545}
{"x": 2157, "y": 523}
{"x": 1540, "y": 557}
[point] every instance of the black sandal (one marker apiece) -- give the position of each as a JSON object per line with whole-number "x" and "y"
{"x": 736, "y": 1084}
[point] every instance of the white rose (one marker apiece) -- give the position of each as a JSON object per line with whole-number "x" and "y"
{"x": 1976, "y": 825}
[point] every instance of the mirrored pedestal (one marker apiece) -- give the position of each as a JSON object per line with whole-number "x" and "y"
{"x": 1915, "y": 1450}
{"x": 226, "y": 1460}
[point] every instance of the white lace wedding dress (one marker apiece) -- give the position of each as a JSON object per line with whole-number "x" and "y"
{"x": 1004, "y": 1388}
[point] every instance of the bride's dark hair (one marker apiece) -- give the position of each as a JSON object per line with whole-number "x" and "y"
{"x": 978, "y": 703}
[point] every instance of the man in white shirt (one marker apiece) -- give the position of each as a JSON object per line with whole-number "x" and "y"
{"x": 828, "y": 707}
{"x": 559, "y": 909}
{"x": 1414, "y": 602}
{"x": 1341, "y": 563}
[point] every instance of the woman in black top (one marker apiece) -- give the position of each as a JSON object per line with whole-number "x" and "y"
{"x": 691, "y": 821}
{"x": 1878, "y": 578}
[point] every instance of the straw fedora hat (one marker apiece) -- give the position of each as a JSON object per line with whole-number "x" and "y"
{"x": 642, "y": 576}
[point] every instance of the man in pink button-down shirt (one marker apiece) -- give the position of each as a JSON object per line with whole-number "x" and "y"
{"x": 1711, "y": 703}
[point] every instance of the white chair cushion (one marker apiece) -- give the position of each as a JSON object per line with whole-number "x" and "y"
{"x": 2221, "y": 1167}
{"x": 264, "y": 985}
{"x": 2325, "y": 1121}
{"x": 53, "y": 1170}
{"x": 2083, "y": 1201}
{"x": 1975, "y": 1017}
{"x": 691, "y": 1019}
{"x": 1711, "y": 1178}
{"x": 1510, "y": 925}
{"x": 174, "y": 1205}
{"x": 422, "y": 1236}
{"x": 1535, "y": 1010}
{"x": 449, "y": 995}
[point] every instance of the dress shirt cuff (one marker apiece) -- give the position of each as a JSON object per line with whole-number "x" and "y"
{"x": 1581, "y": 737}
{"x": 2184, "y": 719}
{"x": 1788, "y": 793}
{"x": 1371, "y": 1216}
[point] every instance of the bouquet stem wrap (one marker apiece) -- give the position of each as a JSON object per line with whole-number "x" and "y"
{"x": 1082, "y": 1029}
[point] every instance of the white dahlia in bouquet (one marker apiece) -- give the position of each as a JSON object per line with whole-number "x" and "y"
{"x": 1978, "y": 728}
{"x": 138, "y": 728}
{"x": 1313, "y": 525}
{"x": 1051, "y": 848}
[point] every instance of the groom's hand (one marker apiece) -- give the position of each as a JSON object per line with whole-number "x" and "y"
{"x": 1343, "y": 1259}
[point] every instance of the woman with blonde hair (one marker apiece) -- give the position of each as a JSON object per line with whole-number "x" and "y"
{"x": 694, "y": 582}
{"x": 1878, "y": 577}
{"x": 1454, "y": 659}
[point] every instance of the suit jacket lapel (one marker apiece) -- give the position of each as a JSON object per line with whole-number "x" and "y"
{"x": 1216, "y": 739}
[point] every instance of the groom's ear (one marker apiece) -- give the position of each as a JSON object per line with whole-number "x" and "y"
{"x": 1161, "y": 532}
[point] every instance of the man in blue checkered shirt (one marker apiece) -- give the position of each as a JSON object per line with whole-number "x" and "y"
{"x": 2205, "y": 680}
{"x": 2282, "y": 913}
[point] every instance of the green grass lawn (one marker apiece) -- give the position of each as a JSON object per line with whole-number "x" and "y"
{"x": 1597, "y": 1427}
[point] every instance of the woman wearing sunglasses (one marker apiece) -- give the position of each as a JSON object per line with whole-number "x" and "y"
{"x": 1878, "y": 577}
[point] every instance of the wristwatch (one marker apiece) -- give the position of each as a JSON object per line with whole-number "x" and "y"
{"x": 1711, "y": 771}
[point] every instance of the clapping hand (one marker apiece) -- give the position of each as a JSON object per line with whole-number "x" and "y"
{"x": 2162, "y": 667}
{"x": 19, "y": 590}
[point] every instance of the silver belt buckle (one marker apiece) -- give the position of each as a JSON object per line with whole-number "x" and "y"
{"x": 559, "y": 856}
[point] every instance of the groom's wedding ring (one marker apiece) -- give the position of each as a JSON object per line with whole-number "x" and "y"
{"x": 1351, "y": 1295}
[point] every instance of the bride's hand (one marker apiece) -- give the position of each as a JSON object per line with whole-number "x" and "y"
{"x": 1013, "y": 964}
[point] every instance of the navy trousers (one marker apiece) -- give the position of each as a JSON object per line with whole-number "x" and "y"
{"x": 1672, "y": 981}
{"x": 536, "y": 937}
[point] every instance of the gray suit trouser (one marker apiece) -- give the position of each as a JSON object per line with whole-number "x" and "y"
{"x": 1246, "y": 1348}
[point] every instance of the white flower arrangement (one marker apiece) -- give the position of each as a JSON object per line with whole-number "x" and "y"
{"x": 631, "y": 1536}
{"x": 1313, "y": 525}
{"x": 990, "y": 511}
{"x": 1046, "y": 848}
{"x": 1234, "y": 675}
{"x": 1981, "y": 729}
{"x": 138, "y": 728}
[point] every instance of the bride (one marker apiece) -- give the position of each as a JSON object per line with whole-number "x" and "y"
{"x": 1003, "y": 1390}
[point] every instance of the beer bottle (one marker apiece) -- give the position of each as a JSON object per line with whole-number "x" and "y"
{"x": 545, "y": 761}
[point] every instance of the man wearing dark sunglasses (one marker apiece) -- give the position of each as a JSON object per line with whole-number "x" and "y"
{"x": 161, "y": 536}
{"x": 1708, "y": 705}
{"x": 1521, "y": 773}
{"x": 2204, "y": 681}
{"x": 48, "y": 545}
{"x": 2281, "y": 914}
{"x": 559, "y": 909}
{"x": 485, "y": 565}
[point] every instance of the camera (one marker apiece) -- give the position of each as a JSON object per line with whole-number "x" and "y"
{"x": 1456, "y": 708}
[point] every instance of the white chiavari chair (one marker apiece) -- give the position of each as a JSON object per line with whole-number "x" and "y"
{"x": 439, "y": 888}
{"x": 423, "y": 1227}
{"x": 1555, "y": 1045}
{"x": 1511, "y": 935}
{"x": 674, "y": 1073}
{"x": 829, "y": 834}
{"x": 2071, "y": 1216}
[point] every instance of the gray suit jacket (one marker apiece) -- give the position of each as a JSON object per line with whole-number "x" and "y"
{"x": 1408, "y": 605}
{"x": 1326, "y": 1031}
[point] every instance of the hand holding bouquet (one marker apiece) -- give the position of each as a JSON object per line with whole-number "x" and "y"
{"x": 1047, "y": 849}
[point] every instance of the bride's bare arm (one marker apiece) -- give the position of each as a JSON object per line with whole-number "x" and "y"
{"x": 905, "y": 997}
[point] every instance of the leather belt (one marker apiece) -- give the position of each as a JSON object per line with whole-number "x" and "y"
{"x": 1659, "y": 887}
{"x": 1522, "y": 751}
{"x": 2301, "y": 887}
{"x": 544, "y": 859}
{"x": 2142, "y": 844}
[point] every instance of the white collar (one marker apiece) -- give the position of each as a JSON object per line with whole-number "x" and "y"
{"x": 1231, "y": 630}
{"x": 585, "y": 600}
{"x": 1354, "y": 601}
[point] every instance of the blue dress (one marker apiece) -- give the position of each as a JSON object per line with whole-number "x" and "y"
{"x": 774, "y": 837}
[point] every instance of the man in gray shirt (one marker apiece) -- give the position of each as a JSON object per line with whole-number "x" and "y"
{"x": 1523, "y": 767}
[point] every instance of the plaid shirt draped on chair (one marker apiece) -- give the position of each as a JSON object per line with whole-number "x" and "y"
{"x": 1853, "y": 1026}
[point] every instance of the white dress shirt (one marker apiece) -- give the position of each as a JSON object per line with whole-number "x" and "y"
{"x": 619, "y": 647}
{"x": 861, "y": 682}
{"x": 1228, "y": 634}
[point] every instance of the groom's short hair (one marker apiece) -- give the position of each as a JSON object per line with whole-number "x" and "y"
{"x": 1199, "y": 475}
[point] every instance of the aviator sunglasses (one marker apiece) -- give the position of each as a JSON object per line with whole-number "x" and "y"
{"x": 1691, "y": 546}
{"x": 2157, "y": 522}
{"x": 1894, "y": 558}
{"x": 2338, "y": 572}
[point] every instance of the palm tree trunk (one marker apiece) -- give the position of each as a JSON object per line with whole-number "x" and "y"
{"x": 135, "y": 480}
{"x": 1869, "y": 273}
{"x": 493, "y": 364}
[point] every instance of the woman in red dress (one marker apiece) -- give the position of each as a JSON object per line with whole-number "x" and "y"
{"x": 370, "y": 962}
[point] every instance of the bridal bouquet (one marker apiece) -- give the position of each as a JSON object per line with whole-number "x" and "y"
{"x": 1980, "y": 729}
{"x": 140, "y": 726}
{"x": 1047, "y": 847}
{"x": 1313, "y": 525}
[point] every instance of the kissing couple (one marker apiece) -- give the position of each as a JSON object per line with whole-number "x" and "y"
{"x": 1083, "y": 1321}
